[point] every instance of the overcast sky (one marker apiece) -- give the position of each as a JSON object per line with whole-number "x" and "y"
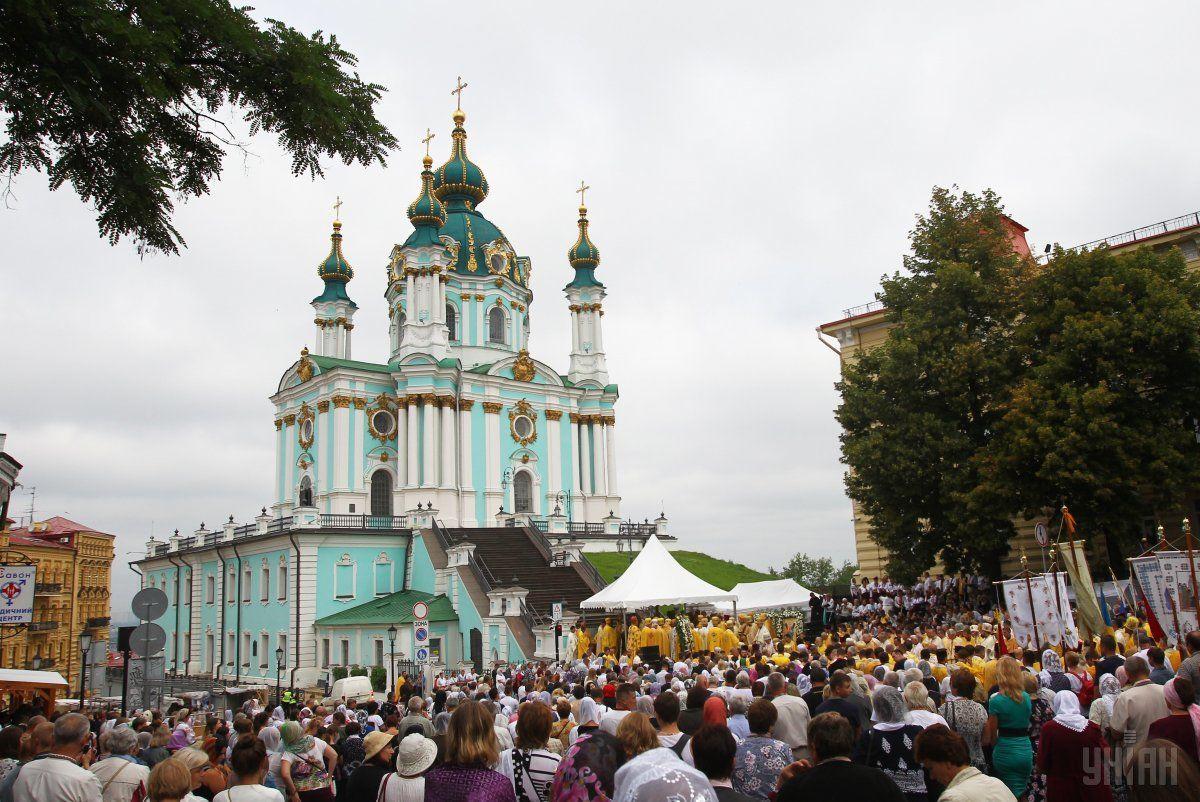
{"x": 754, "y": 168}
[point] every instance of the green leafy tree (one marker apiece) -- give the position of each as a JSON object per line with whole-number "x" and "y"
{"x": 120, "y": 98}
{"x": 818, "y": 573}
{"x": 1103, "y": 416}
{"x": 918, "y": 410}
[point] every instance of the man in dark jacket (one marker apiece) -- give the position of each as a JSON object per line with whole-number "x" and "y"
{"x": 830, "y": 776}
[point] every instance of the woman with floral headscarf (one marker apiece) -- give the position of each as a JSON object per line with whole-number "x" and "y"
{"x": 890, "y": 744}
{"x": 306, "y": 765}
{"x": 1053, "y": 677}
{"x": 659, "y": 775}
{"x": 587, "y": 772}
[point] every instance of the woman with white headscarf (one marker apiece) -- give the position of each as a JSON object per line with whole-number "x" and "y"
{"x": 1053, "y": 677}
{"x": 274, "y": 743}
{"x": 658, "y": 775}
{"x": 1065, "y": 754}
{"x": 890, "y": 744}
{"x": 589, "y": 719}
{"x": 1102, "y": 708}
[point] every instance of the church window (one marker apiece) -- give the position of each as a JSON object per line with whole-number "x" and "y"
{"x": 210, "y": 589}
{"x": 283, "y": 579}
{"x": 325, "y": 653}
{"x": 345, "y": 649}
{"x": 246, "y": 646}
{"x": 343, "y": 578}
{"x": 283, "y": 645}
{"x": 379, "y": 661}
{"x": 247, "y": 579}
{"x": 452, "y": 320}
{"x": 523, "y": 492}
{"x": 306, "y": 431}
{"x": 384, "y": 424}
{"x": 264, "y": 649}
{"x": 264, "y": 590}
{"x": 231, "y": 586}
{"x": 523, "y": 426}
{"x": 496, "y": 326}
{"x": 381, "y": 491}
{"x": 383, "y": 577}
{"x": 230, "y": 647}
{"x": 306, "y": 492}
{"x": 187, "y": 588}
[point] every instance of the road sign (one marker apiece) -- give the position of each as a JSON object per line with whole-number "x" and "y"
{"x": 421, "y": 635}
{"x": 1043, "y": 537}
{"x": 420, "y": 611}
{"x": 556, "y": 611}
{"x": 149, "y": 604}
{"x": 147, "y": 639}
{"x": 17, "y": 584}
{"x": 423, "y": 655}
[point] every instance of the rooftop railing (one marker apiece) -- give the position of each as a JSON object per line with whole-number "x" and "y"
{"x": 862, "y": 309}
{"x": 1145, "y": 232}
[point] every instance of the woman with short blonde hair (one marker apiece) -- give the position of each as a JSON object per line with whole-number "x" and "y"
{"x": 472, "y": 752}
{"x": 636, "y": 735}
{"x": 169, "y": 781}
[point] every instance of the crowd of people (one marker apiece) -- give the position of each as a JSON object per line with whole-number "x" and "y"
{"x": 913, "y": 701}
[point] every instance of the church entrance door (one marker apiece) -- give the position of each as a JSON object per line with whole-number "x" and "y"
{"x": 381, "y": 494}
{"x": 523, "y": 492}
{"x": 477, "y": 650}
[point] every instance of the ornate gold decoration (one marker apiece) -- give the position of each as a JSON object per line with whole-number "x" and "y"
{"x": 499, "y": 282}
{"x": 402, "y": 402}
{"x": 465, "y": 404}
{"x": 479, "y": 296}
{"x": 492, "y": 407}
{"x": 341, "y": 402}
{"x": 360, "y": 403}
{"x": 306, "y": 414}
{"x": 573, "y": 417}
{"x": 383, "y": 457}
{"x": 525, "y": 458}
{"x": 289, "y": 420}
{"x": 574, "y": 307}
{"x": 396, "y": 264}
{"x": 305, "y": 369}
{"x": 323, "y": 406}
{"x": 522, "y": 409}
{"x": 523, "y": 369}
{"x": 446, "y": 401}
{"x": 383, "y": 403}
{"x": 451, "y": 248}
{"x": 278, "y": 424}
{"x": 472, "y": 265}
{"x": 610, "y": 420}
{"x": 553, "y": 414}
{"x": 498, "y": 247}
{"x": 429, "y": 399}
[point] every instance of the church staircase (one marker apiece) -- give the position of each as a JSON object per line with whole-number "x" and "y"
{"x": 513, "y": 555}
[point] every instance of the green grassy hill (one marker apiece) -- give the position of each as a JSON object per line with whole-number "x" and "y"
{"x": 722, "y": 573}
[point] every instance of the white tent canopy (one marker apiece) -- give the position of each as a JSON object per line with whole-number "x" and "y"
{"x": 655, "y": 577}
{"x": 771, "y": 594}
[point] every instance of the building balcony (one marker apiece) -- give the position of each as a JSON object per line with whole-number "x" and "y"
{"x": 43, "y": 626}
{"x": 47, "y": 589}
{"x": 99, "y": 621}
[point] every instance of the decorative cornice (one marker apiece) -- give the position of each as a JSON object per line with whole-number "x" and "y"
{"x": 492, "y": 407}
{"x": 610, "y": 420}
{"x": 446, "y": 401}
{"x": 402, "y": 401}
{"x": 553, "y": 414}
{"x": 323, "y": 406}
{"x": 465, "y": 404}
{"x": 573, "y": 417}
{"x": 573, "y": 307}
{"x": 429, "y": 399}
{"x": 341, "y": 402}
{"x": 289, "y": 420}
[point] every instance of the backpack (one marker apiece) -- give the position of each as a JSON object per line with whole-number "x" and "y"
{"x": 1087, "y": 689}
{"x": 680, "y": 744}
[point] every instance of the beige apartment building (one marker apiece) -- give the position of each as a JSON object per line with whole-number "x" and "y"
{"x": 863, "y": 327}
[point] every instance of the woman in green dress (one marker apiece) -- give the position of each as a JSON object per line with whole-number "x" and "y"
{"x": 1008, "y": 727}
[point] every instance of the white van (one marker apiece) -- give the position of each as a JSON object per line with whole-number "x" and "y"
{"x": 356, "y": 688}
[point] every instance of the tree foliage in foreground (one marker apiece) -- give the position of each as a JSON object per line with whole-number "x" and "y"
{"x": 818, "y": 573}
{"x": 121, "y": 100}
{"x": 1008, "y": 388}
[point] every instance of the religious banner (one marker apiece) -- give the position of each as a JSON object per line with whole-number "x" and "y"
{"x": 1020, "y": 613}
{"x": 1074, "y": 560}
{"x": 1039, "y": 613}
{"x": 1178, "y": 596}
{"x": 1148, "y": 573}
{"x": 16, "y": 593}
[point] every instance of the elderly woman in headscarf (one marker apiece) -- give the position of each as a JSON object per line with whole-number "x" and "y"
{"x": 587, "y": 773}
{"x": 1053, "y": 678}
{"x": 890, "y": 744}
{"x": 1067, "y": 744}
{"x": 1182, "y": 724}
{"x": 274, "y": 744}
{"x": 588, "y": 719}
{"x": 307, "y": 765}
{"x": 658, "y": 775}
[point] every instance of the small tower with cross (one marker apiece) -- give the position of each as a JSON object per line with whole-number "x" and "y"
{"x": 585, "y": 295}
{"x": 334, "y": 320}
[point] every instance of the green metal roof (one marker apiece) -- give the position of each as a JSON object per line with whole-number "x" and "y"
{"x": 481, "y": 368}
{"x": 392, "y": 609}
{"x": 329, "y": 363}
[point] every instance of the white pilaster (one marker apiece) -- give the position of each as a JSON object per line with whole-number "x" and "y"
{"x": 429, "y": 443}
{"x": 597, "y": 446}
{"x": 402, "y": 446}
{"x": 610, "y": 444}
{"x": 492, "y": 425}
{"x": 576, "y": 456}
{"x": 448, "y": 478}
{"x": 414, "y": 434}
{"x": 341, "y": 444}
{"x": 280, "y": 484}
{"x": 553, "y": 457}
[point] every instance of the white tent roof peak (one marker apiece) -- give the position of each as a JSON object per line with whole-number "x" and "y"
{"x": 655, "y": 577}
{"x": 768, "y": 594}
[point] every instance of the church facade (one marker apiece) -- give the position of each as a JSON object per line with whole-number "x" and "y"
{"x": 460, "y": 415}
{"x": 403, "y": 479}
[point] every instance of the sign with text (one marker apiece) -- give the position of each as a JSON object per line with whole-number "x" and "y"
{"x": 421, "y": 640}
{"x": 16, "y": 593}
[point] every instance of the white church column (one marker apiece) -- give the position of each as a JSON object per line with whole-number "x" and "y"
{"x": 279, "y": 467}
{"x": 401, "y": 441}
{"x": 491, "y": 423}
{"x": 341, "y": 440}
{"x": 480, "y": 330}
{"x": 447, "y": 441}
{"x": 429, "y": 440}
{"x": 414, "y": 432}
{"x": 466, "y": 467}
{"x": 577, "y": 452}
{"x": 610, "y": 445}
{"x": 597, "y": 445}
{"x": 553, "y": 456}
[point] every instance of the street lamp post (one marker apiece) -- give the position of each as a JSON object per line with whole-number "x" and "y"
{"x": 391, "y": 630}
{"x": 278, "y": 675}
{"x": 85, "y": 645}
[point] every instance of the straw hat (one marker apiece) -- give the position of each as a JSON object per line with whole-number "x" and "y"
{"x": 375, "y": 742}
{"x": 415, "y": 755}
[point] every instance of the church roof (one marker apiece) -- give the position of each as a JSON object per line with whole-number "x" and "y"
{"x": 395, "y": 608}
{"x": 460, "y": 178}
{"x": 584, "y": 256}
{"x": 329, "y": 363}
{"x": 335, "y": 271}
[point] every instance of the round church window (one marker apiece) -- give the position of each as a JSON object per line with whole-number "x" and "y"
{"x": 523, "y": 426}
{"x": 306, "y": 430}
{"x": 499, "y": 262}
{"x": 383, "y": 422}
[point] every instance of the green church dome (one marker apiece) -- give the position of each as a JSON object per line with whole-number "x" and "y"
{"x": 584, "y": 256}
{"x": 460, "y": 178}
{"x": 335, "y": 270}
{"x": 427, "y": 210}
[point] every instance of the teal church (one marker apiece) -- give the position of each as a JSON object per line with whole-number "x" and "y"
{"x": 460, "y": 471}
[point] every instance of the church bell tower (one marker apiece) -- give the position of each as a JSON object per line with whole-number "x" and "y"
{"x": 584, "y": 295}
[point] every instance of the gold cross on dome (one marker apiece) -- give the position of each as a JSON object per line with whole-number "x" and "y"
{"x": 582, "y": 189}
{"x": 337, "y": 210}
{"x": 429, "y": 135}
{"x": 458, "y": 90}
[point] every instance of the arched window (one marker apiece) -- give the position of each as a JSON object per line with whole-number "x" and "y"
{"x": 497, "y": 323}
{"x": 306, "y": 492}
{"x": 381, "y": 493}
{"x": 523, "y": 492}
{"x": 452, "y": 320}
